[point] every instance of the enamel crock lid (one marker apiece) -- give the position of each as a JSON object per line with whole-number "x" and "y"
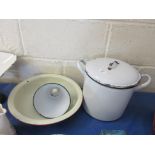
{"x": 51, "y": 100}
{"x": 112, "y": 73}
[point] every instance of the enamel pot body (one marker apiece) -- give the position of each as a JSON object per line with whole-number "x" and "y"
{"x": 106, "y": 102}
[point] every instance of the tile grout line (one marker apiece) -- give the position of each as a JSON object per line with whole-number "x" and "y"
{"x": 122, "y": 21}
{"x": 130, "y": 23}
{"x": 46, "y": 59}
{"x": 21, "y": 37}
{"x": 108, "y": 39}
{"x": 63, "y": 68}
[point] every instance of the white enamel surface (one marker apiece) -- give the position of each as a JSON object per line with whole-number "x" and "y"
{"x": 6, "y": 60}
{"x": 103, "y": 103}
{"x": 51, "y": 100}
{"x": 117, "y": 75}
{"x": 20, "y": 101}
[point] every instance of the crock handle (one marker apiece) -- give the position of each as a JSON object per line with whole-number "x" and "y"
{"x": 81, "y": 64}
{"x": 143, "y": 85}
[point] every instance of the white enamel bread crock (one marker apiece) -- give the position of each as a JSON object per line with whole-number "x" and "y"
{"x": 108, "y": 86}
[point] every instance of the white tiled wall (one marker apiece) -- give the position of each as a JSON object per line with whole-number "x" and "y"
{"x": 54, "y": 46}
{"x": 9, "y": 37}
{"x": 63, "y": 39}
{"x": 133, "y": 43}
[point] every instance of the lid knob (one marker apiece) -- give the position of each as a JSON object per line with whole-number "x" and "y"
{"x": 54, "y": 92}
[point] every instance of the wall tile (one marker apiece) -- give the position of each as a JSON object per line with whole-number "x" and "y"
{"x": 133, "y": 43}
{"x": 64, "y": 39}
{"x": 9, "y": 36}
{"x": 70, "y": 70}
{"x": 26, "y": 67}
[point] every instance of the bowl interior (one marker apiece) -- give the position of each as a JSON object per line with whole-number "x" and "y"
{"x": 20, "y": 101}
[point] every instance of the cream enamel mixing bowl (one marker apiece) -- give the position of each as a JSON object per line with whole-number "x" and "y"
{"x": 20, "y": 101}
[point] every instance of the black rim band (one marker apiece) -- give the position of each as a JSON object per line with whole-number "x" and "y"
{"x": 111, "y": 86}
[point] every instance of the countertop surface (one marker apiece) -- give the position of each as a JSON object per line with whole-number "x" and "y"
{"x": 136, "y": 120}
